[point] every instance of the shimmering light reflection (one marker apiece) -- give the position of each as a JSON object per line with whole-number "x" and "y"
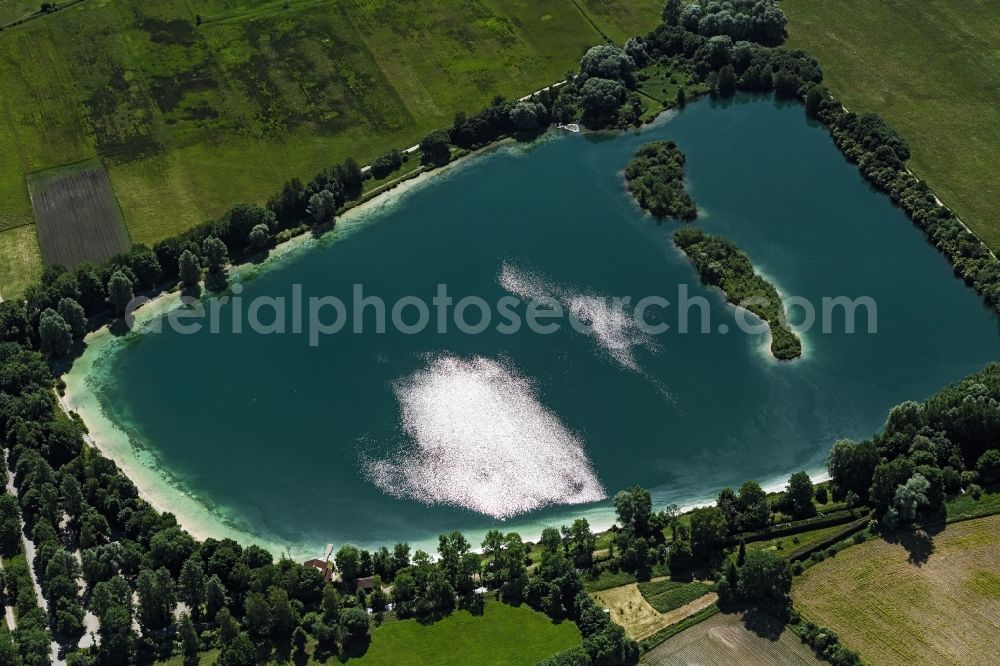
{"x": 611, "y": 325}
{"x": 483, "y": 441}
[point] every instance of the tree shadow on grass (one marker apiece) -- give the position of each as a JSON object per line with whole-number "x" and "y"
{"x": 355, "y": 648}
{"x": 919, "y": 543}
{"x": 321, "y": 654}
{"x": 763, "y": 624}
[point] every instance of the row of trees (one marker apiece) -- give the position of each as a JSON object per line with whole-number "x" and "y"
{"x": 881, "y": 155}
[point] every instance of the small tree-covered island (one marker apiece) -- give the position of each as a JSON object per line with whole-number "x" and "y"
{"x": 721, "y": 264}
{"x": 656, "y": 179}
{"x": 871, "y": 534}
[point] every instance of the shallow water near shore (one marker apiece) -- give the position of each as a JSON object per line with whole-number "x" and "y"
{"x": 383, "y": 437}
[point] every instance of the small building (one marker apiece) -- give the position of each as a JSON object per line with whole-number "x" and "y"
{"x": 366, "y": 583}
{"x": 323, "y": 567}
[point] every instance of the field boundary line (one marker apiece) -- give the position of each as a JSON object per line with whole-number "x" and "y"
{"x": 39, "y": 14}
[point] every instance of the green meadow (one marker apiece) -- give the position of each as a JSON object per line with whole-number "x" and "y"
{"x": 930, "y": 68}
{"x": 195, "y": 105}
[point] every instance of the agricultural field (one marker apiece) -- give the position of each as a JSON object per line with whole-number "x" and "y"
{"x": 78, "y": 218}
{"x": 639, "y": 619}
{"x": 191, "y": 118}
{"x": 925, "y": 66}
{"x": 14, "y": 10}
{"x": 930, "y": 601}
{"x": 20, "y": 260}
{"x": 730, "y": 638}
{"x": 618, "y": 20}
{"x": 666, "y": 595}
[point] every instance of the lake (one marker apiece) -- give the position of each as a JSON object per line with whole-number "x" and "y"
{"x": 377, "y": 437}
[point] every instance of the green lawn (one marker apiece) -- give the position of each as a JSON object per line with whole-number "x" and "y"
{"x": 662, "y": 83}
{"x": 964, "y": 507}
{"x": 502, "y": 635}
{"x": 930, "y": 67}
{"x": 621, "y": 20}
{"x": 191, "y": 119}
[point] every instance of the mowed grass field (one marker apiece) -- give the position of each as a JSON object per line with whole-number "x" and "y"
{"x": 77, "y": 216}
{"x": 930, "y": 67}
{"x": 894, "y": 611}
{"x": 190, "y": 119}
{"x": 724, "y": 639}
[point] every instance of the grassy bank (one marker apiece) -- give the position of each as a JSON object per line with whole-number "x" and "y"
{"x": 924, "y": 65}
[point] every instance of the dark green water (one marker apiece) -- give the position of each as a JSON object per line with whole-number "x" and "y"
{"x": 278, "y": 436}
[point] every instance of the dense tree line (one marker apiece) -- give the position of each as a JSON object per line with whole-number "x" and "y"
{"x": 757, "y": 20}
{"x": 31, "y": 640}
{"x": 925, "y": 452}
{"x": 655, "y": 177}
{"x": 136, "y": 564}
{"x": 721, "y": 263}
{"x": 881, "y": 155}
{"x": 825, "y": 642}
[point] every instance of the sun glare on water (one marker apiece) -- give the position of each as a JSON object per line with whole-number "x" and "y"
{"x": 482, "y": 440}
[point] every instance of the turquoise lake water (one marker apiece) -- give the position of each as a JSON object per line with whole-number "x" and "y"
{"x": 377, "y": 438}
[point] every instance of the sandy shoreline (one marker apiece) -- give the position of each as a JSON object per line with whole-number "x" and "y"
{"x": 165, "y": 493}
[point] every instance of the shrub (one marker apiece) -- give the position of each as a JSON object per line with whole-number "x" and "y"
{"x": 988, "y": 466}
